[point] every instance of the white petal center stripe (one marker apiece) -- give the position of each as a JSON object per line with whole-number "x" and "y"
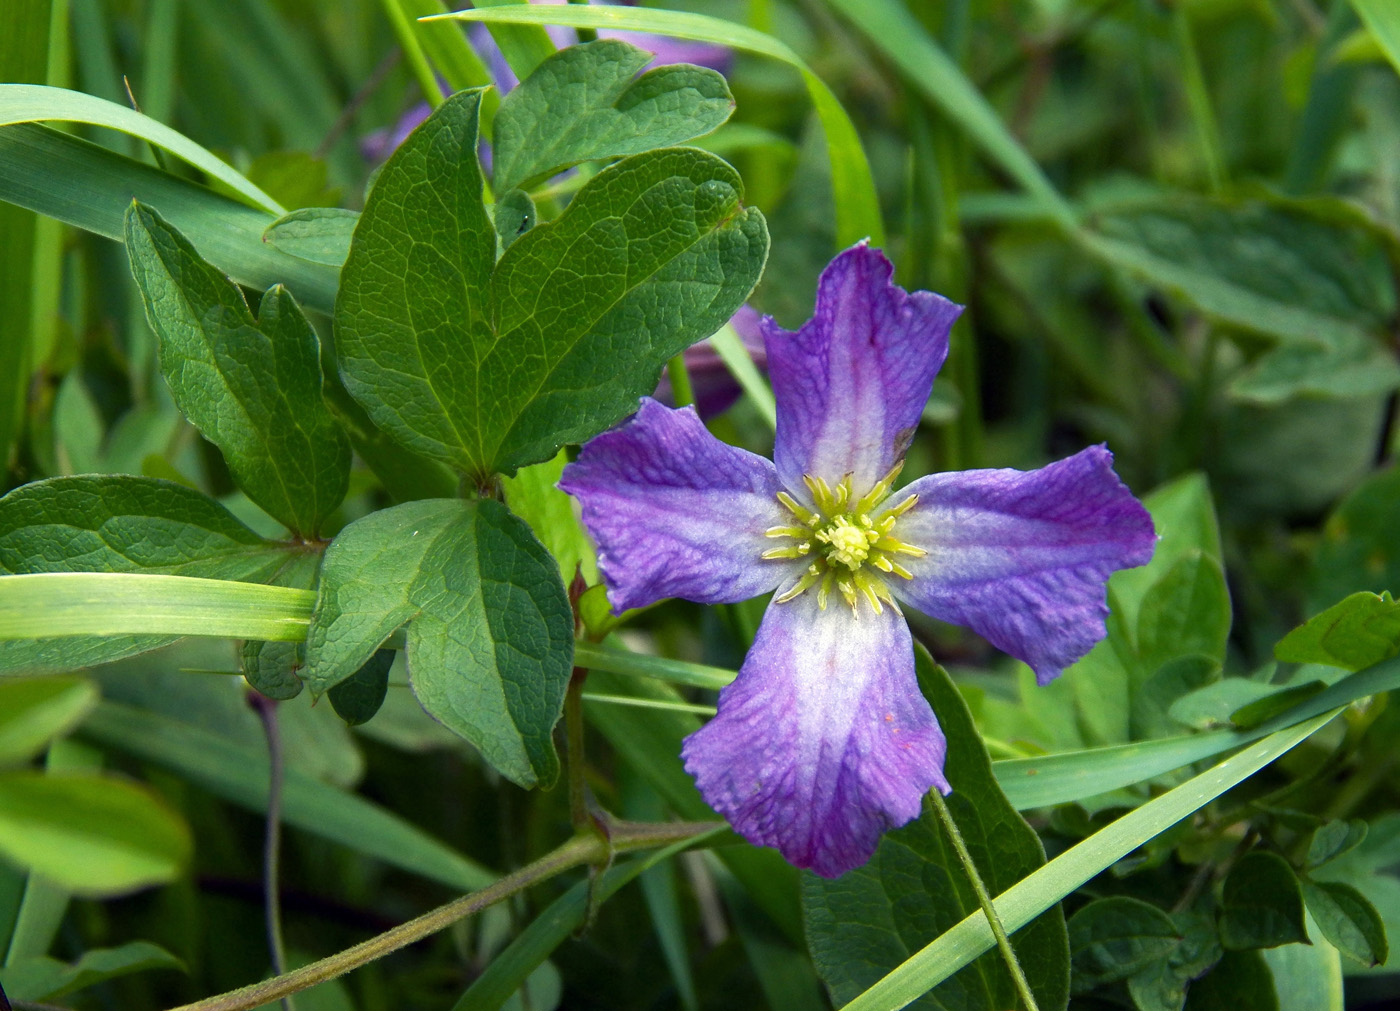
{"x": 849, "y": 541}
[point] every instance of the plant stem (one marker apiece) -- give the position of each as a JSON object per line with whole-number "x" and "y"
{"x": 984, "y": 898}
{"x": 682, "y": 393}
{"x": 573, "y": 753}
{"x": 272, "y": 837}
{"x": 581, "y": 849}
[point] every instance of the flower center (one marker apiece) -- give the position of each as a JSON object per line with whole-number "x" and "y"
{"x": 849, "y": 542}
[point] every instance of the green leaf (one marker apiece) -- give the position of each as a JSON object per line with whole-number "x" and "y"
{"x": 271, "y": 667}
{"x": 45, "y": 979}
{"x": 857, "y": 204}
{"x": 1163, "y": 985}
{"x": 118, "y": 523}
{"x": 34, "y": 711}
{"x": 533, "y": 496}
{"x": 1278, "y": 269}
{"x": 1183, "y": 514}
{"x": 1261, "y": 904}
{"x": 1348, "y": 920}
{"x": 1335, "y": 839}
{"x": 1382, "y": 20}
{"x": 93, "y": 834}
{"x": 29, "y": 103}
{"x": 490, "y": 644}
{"x": 114, "y": 523}
{"x": 318, "y": 234}
{"x": 1359, "y": 550}
{"x": 358, "y": 697}
{"x": 587, "y": 102}
{"x": 1307, "y": 977}
{"x": 1185, "y": 613}
{"x": 1253, "y": 713}
{"x": 90, "y": 187}
{"x": 513, "y": 216}
{"x": 1114, "y": 938}
{"x": 869, "y": 920}
{"x": 252, "y": 386}
{"x": 1357, "y": 632}
{"x": 239, "y": 773}
{"x": 1043, "y": 888}
{"x": 653, "y": 254}
{"x": 1239, "y": 980}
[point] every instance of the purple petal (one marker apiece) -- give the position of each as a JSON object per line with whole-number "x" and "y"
{"x": 852, "y": 382}
{"x": 1023, "y": 557}
{"x": 677, "y": 513}
{"x": 824, "y": 741}
{"x": 665, "y": 49}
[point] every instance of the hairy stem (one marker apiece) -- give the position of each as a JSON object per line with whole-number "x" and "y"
{"x": 1013, "y": 964}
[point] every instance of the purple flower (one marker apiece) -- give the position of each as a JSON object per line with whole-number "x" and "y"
{"x": 824, "y": 740}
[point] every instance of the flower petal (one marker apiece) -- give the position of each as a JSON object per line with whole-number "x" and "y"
{"x": 677, "y": 513}
{"x": 824, "y": 741}
{"x": 1023, "y": 557}
{"x": 851, "y": 383}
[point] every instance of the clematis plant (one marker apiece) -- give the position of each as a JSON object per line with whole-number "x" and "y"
{"x": 824, "y": 740}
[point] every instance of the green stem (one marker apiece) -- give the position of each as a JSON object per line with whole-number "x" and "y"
{"x": 1198, "y": 100}
{"x": 272, "y": 838}
{"x": 682, "y": 393}
{"x": 984, "y": 898}
{"x": 581, "y": 849}
{"x": 573, "y": 744}
{"x": 413, "y": 51}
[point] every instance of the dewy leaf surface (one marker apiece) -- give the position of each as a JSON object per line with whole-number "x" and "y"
{"x": 586, "y": 102}
{"x": 493, "y": 371}
{"x": 863, "y": 924}
{"x": 252, "y": 386}
{"x": 490, "y": 639}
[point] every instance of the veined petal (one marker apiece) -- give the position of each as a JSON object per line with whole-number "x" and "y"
{"x": 1023, "y": 557}
{"x": 677, "y": 513}
{"x": 851, "y": 383}
{"x": 824, "y": 741}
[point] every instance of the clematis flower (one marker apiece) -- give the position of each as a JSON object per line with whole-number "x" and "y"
{"x": 824, "y": 740}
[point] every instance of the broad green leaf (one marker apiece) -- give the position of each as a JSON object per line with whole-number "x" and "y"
{"x": 1183, "y": 514}
{"x": 1359, "y": 549}
{"x": 857, "y": 209}
{"x": 271, "y": 667}
{"x": 1163, "y": 985}
{"x": 1239, "y": 980}
{"x": 90, "y": 187}
{"x": 1261, "y": 904}
{"x": 1252, "y": 713}
{"x": 652, "y": 255}
{"x": 1348, "y": 920}
{"x": 1307, "y": 977}
{"x": 869, "y": 920}
{"x": 1274, "y": 269}
{"x": 252, "y": 386}
{"x": 1353, "y": 367}
{"x": 1357, "y": 632}
{"x": 1382, "y": 19}
{"x": 358, "y": 697}
{"x": 1185, "y": 613}
{"x": 490, "y": 635}
{"x": 318, "y": 234}
{"x": 117, "y": 523}
{"x": 29, "y": 103}
{"x": 1114, "y": 938}
{"x": 533, "y": 496}
{"x": 33, "y": 711}
{"x": 1333, "y": 840}
{"x": 93, "y": 834}
{"x": 587, "y": 102}
{"x": 1041, "y": 889}
{"x": 239, "y": 773}
{"x": 44, "y": 979}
